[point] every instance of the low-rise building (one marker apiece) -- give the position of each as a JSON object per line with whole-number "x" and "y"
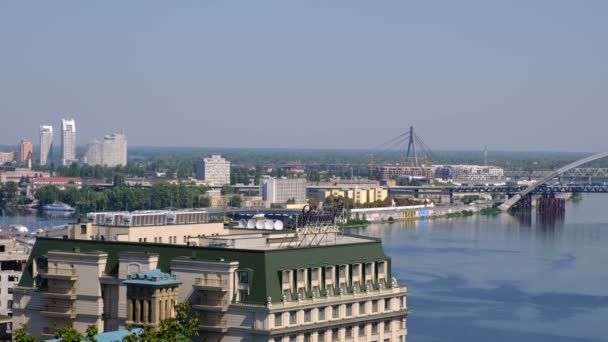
{"x": 7, "y": 157}
{"x": 310, "y": 284}
{"x": 59, "y": 182}
{"x": 358, "y": 195}
{"x": 391, "y": 172}
{"x": 17, "y": 174}
{"x": 468, "y": 173}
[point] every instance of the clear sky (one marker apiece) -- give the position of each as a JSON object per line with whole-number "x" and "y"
{"x": 513, "y": 75}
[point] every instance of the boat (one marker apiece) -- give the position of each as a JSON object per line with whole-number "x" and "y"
{"x": 57, "y": 207}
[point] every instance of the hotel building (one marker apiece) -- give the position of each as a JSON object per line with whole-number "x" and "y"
{"x": 309, "y": 284}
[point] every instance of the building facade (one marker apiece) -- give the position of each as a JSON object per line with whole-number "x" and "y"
{"x": 283, "y": 190}
{"x": 68, "y": 141}
{"x": 358, "y": 195}
{"x": 25, "y": 150}
{"x": 248, "y": 285}
{"x": 469, "y": 173}
{"x": 215, "y": 170}
{"x": 46, "y": 144}
{"x": 391, "y": 172}
{"x": 111, "y": 151}
{"x": 7, "y": 157}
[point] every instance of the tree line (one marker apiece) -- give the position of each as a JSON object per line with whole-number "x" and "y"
{"x": 119, "y": 198}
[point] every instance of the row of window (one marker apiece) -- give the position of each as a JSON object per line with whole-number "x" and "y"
{"x": 322, "y": 314}
{"x": 334, "y": 333}
{"x": 172, "y": 239}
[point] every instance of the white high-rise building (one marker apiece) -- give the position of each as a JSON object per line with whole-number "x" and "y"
{"x": 214, "y": 170}
{"x": 282, "y": 190}
{"x": 112, "y": 151}
{"x": 46, "y": 144}
{"x": 68, "y": 141}
{"x": 94, "y": 153}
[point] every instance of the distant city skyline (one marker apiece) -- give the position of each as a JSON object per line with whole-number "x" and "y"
{"x": 330, "y": 75}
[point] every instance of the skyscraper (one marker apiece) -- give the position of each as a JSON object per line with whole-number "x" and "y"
{"x": 68, "y": 141}
{"x": 112, "y": 151}
{"x": 115, "y": 149}
{"x": 26, "y": 150}
{"x": 46, "y": 144}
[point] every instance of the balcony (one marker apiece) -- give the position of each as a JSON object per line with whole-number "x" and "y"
{"x": 58, "y": 312}
{"x": 60, "y": 273}
{"x": 60, "y": 293}
{"x": 218, "y": 325}
{"x": 220, "y": 285}
{"x": 217, "y": 306}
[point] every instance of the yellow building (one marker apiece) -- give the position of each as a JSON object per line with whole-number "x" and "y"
{"x": 358, "y": 195}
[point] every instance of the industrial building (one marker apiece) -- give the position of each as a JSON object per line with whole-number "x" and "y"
{"x": 310, "y": 284}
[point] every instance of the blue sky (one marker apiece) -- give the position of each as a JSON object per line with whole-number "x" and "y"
{"x": 513, "y": 75}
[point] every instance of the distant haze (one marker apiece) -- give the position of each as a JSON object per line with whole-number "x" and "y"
{"x": 512, "y": 75}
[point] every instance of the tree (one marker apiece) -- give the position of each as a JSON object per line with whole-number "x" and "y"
{"x": 235, "y": 201}
{"x": 172, "y": 329}
{"x": 21, "y": 335}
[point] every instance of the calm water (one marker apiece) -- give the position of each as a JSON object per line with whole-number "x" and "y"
{"x": 34, "y": 220}
{"x": 494, "y": 279}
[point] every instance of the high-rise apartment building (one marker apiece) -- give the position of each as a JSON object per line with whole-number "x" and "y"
{"x": 283, "y": 190}
{"x": 46, "y": 144}
{"x": 245, "y": 284}
{"x": 94, "y": 153}
{"x": 25, "y": 151}
{"x": 215, "y": 170}
{"x": 68, "y": 141}
{"x": 112, "y": 151}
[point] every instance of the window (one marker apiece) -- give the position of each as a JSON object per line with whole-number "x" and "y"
{"x": 307, "y": 337}
{"x": 293, "y": 338}
{"x": 348, "y": 332}
{"x": 293, "y": 317}
{"x": 387, "y": 326}
{"x": 278, "y": 339}
{"x": 335, "y": 311}
{"x": 387, "y": 304}
{"x": 361, "y": 329}
{"x": 321, "y": 314}
{"x": 278, "y": 319}
{"x": 83, "y": 229}
{"x": 155, "y": 240}
{"x": 362, "y": 308}
{"x": 160, "y": 239}
{"x": 374, "y": 327}
{"x": 307, "y": 315}
{"x": 375, "y": 306}
{"x": 335, "y": 334}
{"x": 349, "y": 310}
{"x": 387, "y": 340}
{"x": 243, "y": 295}
{"x": 243, "y": 277}
{"x": 321, "y": 336}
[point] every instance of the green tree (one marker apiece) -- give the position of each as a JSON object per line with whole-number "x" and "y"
{"x": 235, "y": 201}
{"x": 21, "y": 335}
{"x": 177, "y": 329}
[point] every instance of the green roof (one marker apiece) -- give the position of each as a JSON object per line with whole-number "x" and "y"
{"x": 266, "y": 265}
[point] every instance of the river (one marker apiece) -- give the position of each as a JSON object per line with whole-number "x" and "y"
{"x": 494, "y": 279}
